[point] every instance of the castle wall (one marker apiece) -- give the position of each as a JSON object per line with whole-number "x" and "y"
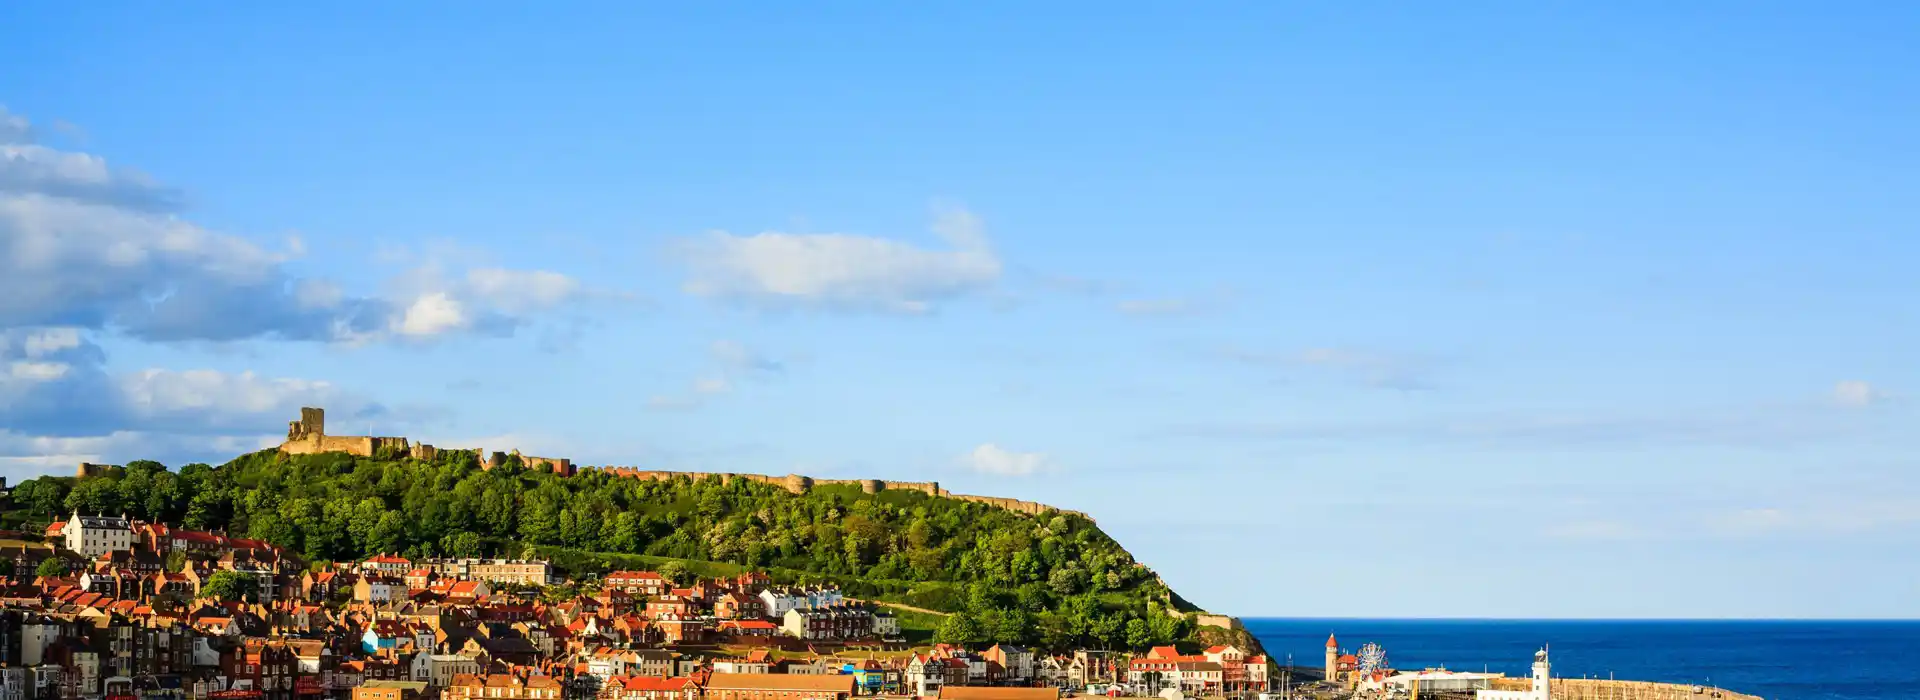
{"x": 308, "y": 436}
{"x": 87, "y": 469}
{"x": 357, "y": 445}
{"x": 800, "y": 484}
{"x": 1221, "y": 621}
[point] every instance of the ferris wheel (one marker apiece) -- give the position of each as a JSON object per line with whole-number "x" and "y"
{"x": 1372, "y": 658}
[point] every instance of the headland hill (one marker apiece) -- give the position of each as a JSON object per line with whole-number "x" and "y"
{"x": 379, "y": 568}
{"x": 988, "y": 568}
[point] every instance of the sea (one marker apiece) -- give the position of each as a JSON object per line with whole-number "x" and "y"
{"x": 1776, "y": 660}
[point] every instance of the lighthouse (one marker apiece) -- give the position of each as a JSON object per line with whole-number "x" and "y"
{"x": 1542, "y": 671}
{"x": 1540, "y": 689}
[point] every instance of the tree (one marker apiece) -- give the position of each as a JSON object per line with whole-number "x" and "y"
{"x": 674, "y": 571}
{"x": 51, "y": 567}
{"x": 1066, "y": 580}
{"x": 228, "y": 586}
{"x": 176, "y": 561}
{"x": 1139, "y": 634}
{"x": 958, "y": 628}
{"x": 461, "y": 544}
{"x": 42, "y": 496}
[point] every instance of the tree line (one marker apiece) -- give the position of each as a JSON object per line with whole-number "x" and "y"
{"x": 1053, "y": 580}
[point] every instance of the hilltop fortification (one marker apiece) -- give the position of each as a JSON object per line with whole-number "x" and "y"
{"x": 308, "y": 435}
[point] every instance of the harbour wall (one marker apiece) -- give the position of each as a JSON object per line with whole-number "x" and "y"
{"x": 1601, "y": 689}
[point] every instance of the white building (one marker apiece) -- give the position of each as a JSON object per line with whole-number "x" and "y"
{"x": 885, "y": 625}
{"x": 778, "y": 602}
{"x": 1542, "y": 688}
{"x": 1441, "y": 681}
{"x": 438, "y": 670}
{"x": 94, "y": 535}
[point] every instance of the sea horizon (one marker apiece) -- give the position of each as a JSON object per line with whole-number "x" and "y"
{"x": 1783, "y": 659}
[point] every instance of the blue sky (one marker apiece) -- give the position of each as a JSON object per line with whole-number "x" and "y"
{"x": 1600, "y": 309}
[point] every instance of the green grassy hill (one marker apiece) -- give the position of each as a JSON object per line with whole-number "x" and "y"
{"x": 1053, "y": 580}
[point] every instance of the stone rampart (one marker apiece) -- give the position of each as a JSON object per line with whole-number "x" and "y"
{"x": 1601, "y": 689}
{"x": 796, "y": 483}
{"x": 308, "y": 436}
{"x": 88, "y": 469}
{"x": 1221, "y": 621}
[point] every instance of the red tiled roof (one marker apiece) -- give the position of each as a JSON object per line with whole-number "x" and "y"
{"x": 649, "y": 683}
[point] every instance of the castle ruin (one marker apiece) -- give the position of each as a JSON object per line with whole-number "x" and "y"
{"x": 308, "y": 435}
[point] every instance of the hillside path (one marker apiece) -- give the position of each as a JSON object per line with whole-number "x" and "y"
{"x": 901, "y": 606}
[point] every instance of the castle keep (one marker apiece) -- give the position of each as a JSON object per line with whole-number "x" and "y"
{"x": 308, "y": 435}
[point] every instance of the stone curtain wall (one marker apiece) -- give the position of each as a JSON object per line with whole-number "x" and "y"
{"x": 308, "y": 436}
{"x": 801, "y": 484}
{"x": 1600, "y": 689}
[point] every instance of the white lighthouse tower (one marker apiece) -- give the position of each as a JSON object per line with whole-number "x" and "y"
{"x": 1541, "y": 688}
{"x": 1542, "y": 676}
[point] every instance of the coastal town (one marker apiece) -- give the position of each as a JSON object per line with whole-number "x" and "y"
{"x": 114, "y": 608}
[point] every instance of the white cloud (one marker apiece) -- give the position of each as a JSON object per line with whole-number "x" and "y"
{"x": 838, "y": 270}
{"x": 87, "y": 245}
{"x": 14, "y": 128}
{"x": 31, "y": 371}
{"x": 989, "y": 458}
{"x": 1858, "y": 394}
{"x": 57, "y": 385}
{"x": 736, "y": 357}
{"x": 518, "y": 291}
{"x": 159, "y": 392}
{"x": 26, "y": 456}
{"x": 431, "y": 315}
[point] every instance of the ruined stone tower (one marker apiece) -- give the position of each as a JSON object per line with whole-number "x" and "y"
{"x": 312, "y": 424}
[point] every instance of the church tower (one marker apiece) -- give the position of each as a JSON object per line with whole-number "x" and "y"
{"x": 1333, "y": 659}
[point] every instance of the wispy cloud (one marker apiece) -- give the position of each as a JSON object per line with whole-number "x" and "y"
{"x": 990, "y": 458}
{"x": 844, "y": 271}
{"x": 1176, "y": 305}
{"x": 1374, "y": 369}
{"x": 1596, "y": 530}
{"x": 730, "y": 362}
{"x": 1859, "y": 394}
{"x": 1754, "y": 427}
{"x": 736, "y": 357}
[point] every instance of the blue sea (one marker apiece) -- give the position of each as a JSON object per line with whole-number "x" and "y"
{"x": 1776, "y": 660}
